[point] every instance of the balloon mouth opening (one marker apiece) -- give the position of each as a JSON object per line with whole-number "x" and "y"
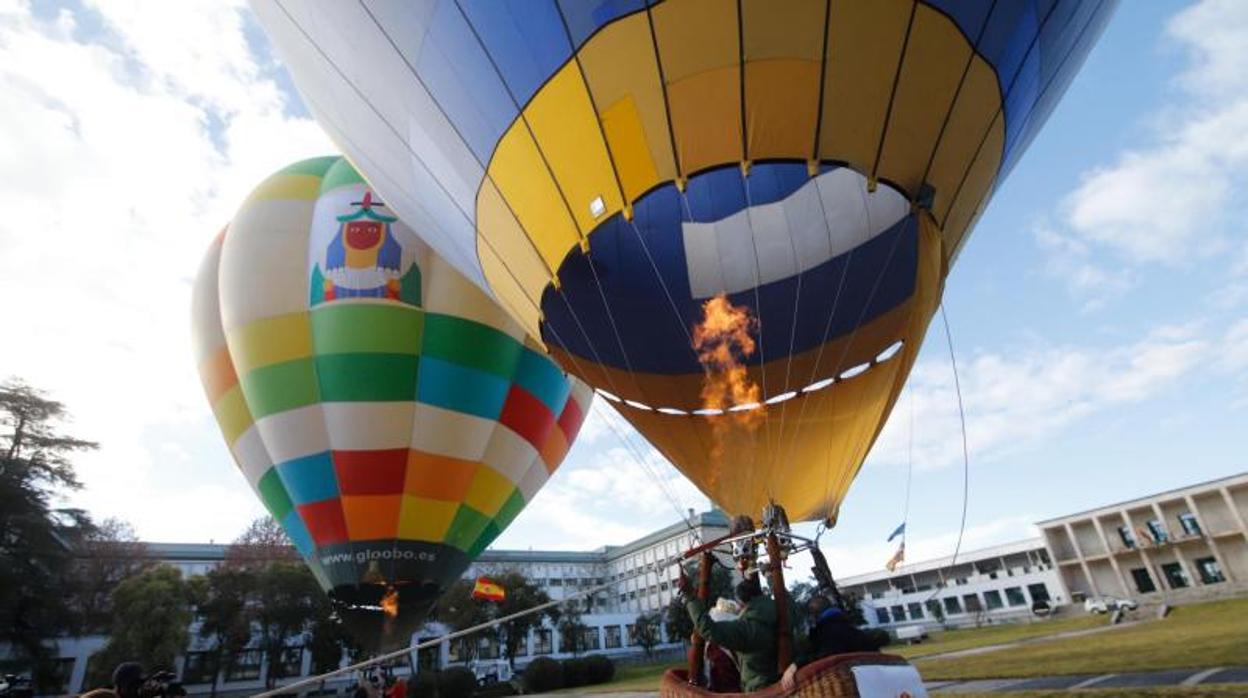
{"x": 889, "y": 352}
{"x": 387, "y": 600}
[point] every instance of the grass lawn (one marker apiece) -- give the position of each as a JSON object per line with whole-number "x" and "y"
{"x": 953, "y": 640}
{"x": 629, "y": 677}
{"x": 1200, "y": 635}
{"x": 1162, "y": 692}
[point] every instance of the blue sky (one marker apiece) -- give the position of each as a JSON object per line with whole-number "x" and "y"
{"x": 1099, "y": 311}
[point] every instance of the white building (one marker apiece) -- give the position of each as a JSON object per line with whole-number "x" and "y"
{"x": 609, "y": 630}
{"x": 986, "y": 585}
{"x": 1187, "y": 542}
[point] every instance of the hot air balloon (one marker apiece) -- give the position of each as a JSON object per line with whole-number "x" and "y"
{"x": 625, "y": 175}
{"x": 388, "y": 414}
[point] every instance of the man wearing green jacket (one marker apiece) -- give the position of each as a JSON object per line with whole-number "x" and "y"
{"x": 751, "y": 636}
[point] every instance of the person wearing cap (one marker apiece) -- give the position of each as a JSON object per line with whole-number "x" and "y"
{"x": 722, "y": 672}
{"x": 831, "y": 632}
{"x": 752, "y": 635}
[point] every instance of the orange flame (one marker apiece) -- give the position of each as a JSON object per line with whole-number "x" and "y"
{"x": 723, "y": 340}
{"x": 390, "y": 602}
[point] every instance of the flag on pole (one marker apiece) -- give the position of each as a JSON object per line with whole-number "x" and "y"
{"x": 488, "y": 590}
{"x": 900, "y": 530}
{"x": 897, "y": 558}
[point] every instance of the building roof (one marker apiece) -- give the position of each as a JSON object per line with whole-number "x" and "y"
{"x": 1127, "y": 504}
{"x": 215, "y": 552}
{"x": 965, "y": 557}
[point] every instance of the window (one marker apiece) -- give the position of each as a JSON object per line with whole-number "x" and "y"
{"x": 1176, "y": 578}
{"x": 246, "y": 666}
{"x": 1158, "y": 531}
{"x": 542, "y": 641}
{"x": 198, "y": 668}
{"x": 899, "y": 613}
{"x": 916, "y": 611}
{"x": 460, "y": 650}
{"x": 1189, "y": 523}
{"x": 1143, "y": 580}
{"x": 427, "y": 659}
{"x": 952, "y": 605}
{"x": 960, "y": 581}
{"x": 487, "y": 648}
{"x": 589, "y": 638}
{"x": 1210, "y": 573}
{"x": 291, "y": 662}
{"x": 631, "y": 629}
{"x": 612, "y": 637}
{"x": 1014, "y": 596}
{"x": 881, "y": 616}
{"x": 992, "y": 599}
{"x": 522, "y": 647}
{"x": 972, "y": 603}
{"x": 1039, "y": 592}
{"x": 1128, "y": 538}
{"x": 556, "y": 582}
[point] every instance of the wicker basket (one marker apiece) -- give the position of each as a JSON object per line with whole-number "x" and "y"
{"x": 830, "y": 677}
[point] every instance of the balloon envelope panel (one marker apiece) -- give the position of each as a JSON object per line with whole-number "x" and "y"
{"x": 604, "y": 167}
{"x": 389, "y": 415}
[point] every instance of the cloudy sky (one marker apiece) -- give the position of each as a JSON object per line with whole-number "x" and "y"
{"x": 1099, "y": 313}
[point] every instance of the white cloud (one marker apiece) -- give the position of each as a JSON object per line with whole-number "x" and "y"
{"x": 605, "y": 493}
{"x": 1014, "y": 399}
{"x": 1179, "y": 198}
{"x": 126, "y": 153}
{"x": 864, "y": 557}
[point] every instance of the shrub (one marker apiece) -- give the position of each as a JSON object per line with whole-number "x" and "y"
{"x": 456, "y": 682}
{"x": 575, "y": 672}
{"x": 542, "y": 675}
{"x": 600, "y": 669}
{"x": 423, "y": 685}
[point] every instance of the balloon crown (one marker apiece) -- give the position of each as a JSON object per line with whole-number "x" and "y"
{"x": 366, "y": 210}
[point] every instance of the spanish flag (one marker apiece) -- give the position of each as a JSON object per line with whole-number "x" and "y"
{"x": 488, "y": 590}
{"x": 897, "y": 558}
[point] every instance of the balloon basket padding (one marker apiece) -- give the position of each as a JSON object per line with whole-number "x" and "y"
{"x": 828, "y": 677}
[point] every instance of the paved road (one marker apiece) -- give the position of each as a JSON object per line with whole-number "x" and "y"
{"x": 1170, "y": 677}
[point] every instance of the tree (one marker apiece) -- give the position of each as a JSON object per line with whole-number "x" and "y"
{"x": 151, "y": 613}
{"x": 800, "y": 594}
{"x": 678, "y": 622}
{"x": 285, "y": 601}
{"x": 108, "y": 553}
{"x": 647, "y": 632}
{"x": 571, "y": 627}
{"x": 458, "y": 610}
{"x": 35, "y": 537}
{"x": 263, "y": 542}
{"x": 221, "y": 598}
{"x": 522, "y": 594}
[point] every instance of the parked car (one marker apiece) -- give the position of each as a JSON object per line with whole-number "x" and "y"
{"x": 1105, "y": 604}
{"x": 913, "y": 634}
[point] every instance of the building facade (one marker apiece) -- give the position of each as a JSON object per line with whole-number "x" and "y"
{"x": 981, "y": 586}
{"x": 1186, "y": 542}
{"x": 642, "y": 580}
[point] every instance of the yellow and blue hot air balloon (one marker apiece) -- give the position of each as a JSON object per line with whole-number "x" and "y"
{"x": 604, "y": 168}
{"x": 390, "y": 416}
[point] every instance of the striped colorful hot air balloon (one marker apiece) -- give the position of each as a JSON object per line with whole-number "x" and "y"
{"x": 613, "y": 171}
{"x": 389, "y": 415}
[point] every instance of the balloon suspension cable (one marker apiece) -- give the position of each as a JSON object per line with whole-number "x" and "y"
{"x": 288, "y": 689}
{"x": 640, "y": 459}
{"x": 966, "y": 452}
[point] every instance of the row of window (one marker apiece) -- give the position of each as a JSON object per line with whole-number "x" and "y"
{"x": 592, "y": 638}
{"x": 968, "y": 603}
{"x": 1155, "y": 531}
{"x": 1176, "y": 577}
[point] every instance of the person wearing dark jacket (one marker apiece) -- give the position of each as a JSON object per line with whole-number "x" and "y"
{"x": 831, "y": 632}
{"x": 751, "y": 636}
